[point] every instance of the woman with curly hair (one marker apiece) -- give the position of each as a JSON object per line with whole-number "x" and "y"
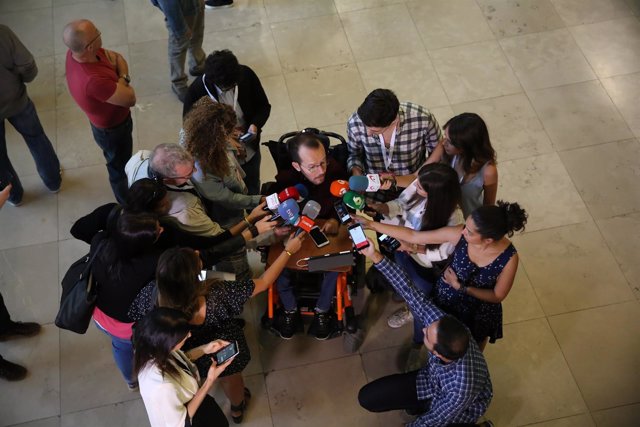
{"x": 209, "y": 137}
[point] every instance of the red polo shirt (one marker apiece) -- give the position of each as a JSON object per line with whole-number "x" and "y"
{"x": 91, "y": 84}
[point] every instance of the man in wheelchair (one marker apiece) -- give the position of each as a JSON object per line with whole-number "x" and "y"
{"x": 316, "y": 170}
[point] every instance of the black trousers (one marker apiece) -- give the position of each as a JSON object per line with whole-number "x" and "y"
{"x": 208, "y": 414}
{"x": 5, "y": 319}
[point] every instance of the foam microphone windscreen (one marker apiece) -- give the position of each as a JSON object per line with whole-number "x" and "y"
{"x": 354, "y": 200}
{"x": 288, "y": 193}
{"x": 289, "y": 211}
{"x": 305, "y": 223}
{"x": 339, "y": 187}
{"x": 358, "y": 183}
{"x": 302, "y": 191}
{"x": 311, "y": 209}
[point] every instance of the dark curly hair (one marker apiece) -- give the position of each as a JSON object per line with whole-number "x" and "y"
{"x": 207, "y": 128}
{"x": 493, "y": 222}
{"x": 222, "y": 69}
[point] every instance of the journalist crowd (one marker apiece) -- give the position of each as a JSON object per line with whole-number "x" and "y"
{"x": 168, "y": 257}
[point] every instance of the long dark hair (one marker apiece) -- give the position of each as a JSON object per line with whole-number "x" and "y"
{"x": 443, "y": 195}
{"x": 177, "y": 279}
{"x": 155, "y": 336}
{"x": 145, "y": 195}
{"x": 132, "y": 237}
{"x": 493, "y": 222}
{"x": 469, "y": 133}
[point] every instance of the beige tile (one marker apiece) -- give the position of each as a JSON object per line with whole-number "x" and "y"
{"x": 624, "y": 91}
{"x": 287, "y": 10}
{"x": 325, "y": 96}
{"x": 108, "y": 17}
{"x": 514, "y": 127}
{"x": 45, "y": 422}
{"x": 351, "y": 5}
{"x": 124, "y": 414}
{"x": 522, "y": 302}
{"x": 634, "y": 6}
{"x": 75, "y": 144}
{"x": 158, "y": 120}
{"x": 253, "y": 46}
{"x": 381, "y": 24}
{"x": 611, "y": 47}
{"x": 623, "y": 416}
{"x": 579, "y": 115}
{"x": 18, "y": 150}
{"x": 531, "y": 379}
{"x": 34, "y": 28}
{"x": 378, "y": 335}
{"x": 300, "y": 48}
{"x": 12, "y": 6}
{"x": 606, "y": 177}
{"x": 35, "y": 221}
{"x": 444, "y": 23}
{"x": 601, "y": 348}
{"x": 29, "y": 282}
{"x": 547, "y": 59}
{"x": 576, "y": 12}
{"x": 243, "y": 14}
{"x": 281, "y": 120}
{"x": 582, "y": 420}
{"x": 42, "y": 90}
{"x": 442, "y": 114}
{"x": 293, "y": 402}
{"x": 86, "y": 360}
{"x": 63, "y": 97}
{"x": 149, "y": 68}
{"x": 38, "y": 395}
{"x": 618, "y": 234}
{"x": 543, "y": 188}
{"x": 258, "y": 413}
{"x": 474, "y": 71}
{"x": 517, "y": 17}
{"x": 144, "y": 21}
{"x": 576, "y": 282}
{"x": 84, "y": 190}
{"x": 420, "y": 83}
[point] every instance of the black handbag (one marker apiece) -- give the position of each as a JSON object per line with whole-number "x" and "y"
{"x": 79, "y": 293}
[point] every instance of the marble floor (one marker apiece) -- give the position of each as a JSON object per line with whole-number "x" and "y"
{"x": 558, "y": 82}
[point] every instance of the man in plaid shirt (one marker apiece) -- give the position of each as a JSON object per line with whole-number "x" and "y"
{"x": 454, "y": 388}
{"x": 389, "y": 137}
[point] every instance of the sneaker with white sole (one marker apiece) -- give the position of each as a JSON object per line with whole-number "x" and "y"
{"x": 400, "y": 318}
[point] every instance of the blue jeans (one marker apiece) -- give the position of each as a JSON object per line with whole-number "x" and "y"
{"x": 288, "y": 298}
{"x": 422, "y": 279}
{"x": 179, "y": 45}
{"x": 117, "y": 146}
{"x": 27, "y": 123}
{"x": 122, "y": 350}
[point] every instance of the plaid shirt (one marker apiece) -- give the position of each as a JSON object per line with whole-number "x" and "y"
{"x": 417, "y": 136}
{"x": 460, "y": 391}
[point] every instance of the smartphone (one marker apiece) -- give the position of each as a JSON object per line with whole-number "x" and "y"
{"x": 343, "y": 213}
{"x": 318, "y": 237}
{"x": 247, "y": 137}
{"x": 389, "y": 243}
{"x": 226, "y": 353}
{"x": 358, "y": 237}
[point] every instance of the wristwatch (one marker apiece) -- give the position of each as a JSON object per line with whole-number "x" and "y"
{"x": 126, "y": 78}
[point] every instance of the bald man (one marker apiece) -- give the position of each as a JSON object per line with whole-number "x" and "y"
{"x": 98, "y": 80}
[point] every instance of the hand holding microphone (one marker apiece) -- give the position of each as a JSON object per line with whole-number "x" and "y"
{"x": 309, "y": 213}
{"x": 297, "y": 192}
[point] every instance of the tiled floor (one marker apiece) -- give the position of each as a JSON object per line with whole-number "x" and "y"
{"x": 558, "y": 82}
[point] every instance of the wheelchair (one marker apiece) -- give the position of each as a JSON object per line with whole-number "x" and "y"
{"x": 308, "y": 283}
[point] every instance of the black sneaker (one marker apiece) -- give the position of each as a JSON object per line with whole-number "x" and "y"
{"x": 287, "y": 324}
{"x": 215, "y": 4}
{"x": 11, "y": 371}
{"x": 323, "y": 325}
{"x": 20, "y": 329}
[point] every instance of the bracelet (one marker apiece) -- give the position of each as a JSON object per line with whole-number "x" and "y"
{"x": 288, "y": 253}
{"x": 247, "y": 221}
{"x": 254, "y": 231}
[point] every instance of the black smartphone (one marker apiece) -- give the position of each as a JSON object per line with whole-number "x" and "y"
{"x": 318, "y": 237}
{"x": 343, "y": 213}
{"x": 226, "y": 353}
{"x": 247, "y": 137}
{"x": 358, "y": 237}
{"x": 389, "y": 243}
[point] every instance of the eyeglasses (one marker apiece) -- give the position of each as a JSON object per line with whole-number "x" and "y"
{"x": 322, "y": 165}
{"x": 93, "y": 40}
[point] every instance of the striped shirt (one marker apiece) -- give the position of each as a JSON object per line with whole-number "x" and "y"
{"x": 460, "y": 391}
{"x": 417, "y": 136}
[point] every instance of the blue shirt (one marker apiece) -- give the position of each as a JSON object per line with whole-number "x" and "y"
{"x": 460, "y": 391}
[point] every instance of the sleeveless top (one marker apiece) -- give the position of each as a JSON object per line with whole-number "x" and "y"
{"x": 484, "y": 319}
{"x": 472, "y": 190}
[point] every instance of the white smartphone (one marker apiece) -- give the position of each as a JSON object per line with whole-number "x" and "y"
{"x": 358, "y": 237}
{"x": 318, "y": 237}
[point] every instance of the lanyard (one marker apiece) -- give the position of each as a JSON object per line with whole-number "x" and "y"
{"x": 235, "y": 93}
{"x": 392, "y": 144}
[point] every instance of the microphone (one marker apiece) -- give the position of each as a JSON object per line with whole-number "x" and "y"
{"x": 304, "y": 223}
{"x": 354, "y": 200}
{"x": 370, "y": 182}
{"x": 289, "y": 211}
{"x": 339, "y": 187}
{"x": 272, "y": 202}
{"x": 303, "y": 193}
{"x": 309, "y": 213}
{"x": 288, "y": 193}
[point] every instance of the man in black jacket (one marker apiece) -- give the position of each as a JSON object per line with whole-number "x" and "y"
{"x": 227, "y": 81}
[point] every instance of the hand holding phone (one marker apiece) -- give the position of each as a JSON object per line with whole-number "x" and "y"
{"x": 343, "y": 213}
{"x": 358, "y": 237}
{"x": 247, "y": 137}
{"x": 389, "y": 243}
{"x": 226, "y": 353}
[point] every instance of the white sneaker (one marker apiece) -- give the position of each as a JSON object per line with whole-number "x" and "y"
{"x": 400, "y": 318}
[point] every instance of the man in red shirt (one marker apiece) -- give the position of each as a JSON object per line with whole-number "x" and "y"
{"x": 98, "y": 80}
